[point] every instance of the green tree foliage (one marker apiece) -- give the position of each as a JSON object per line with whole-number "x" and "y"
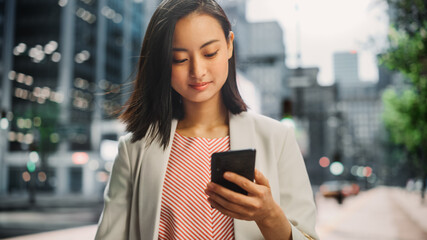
{"x": 405, "y": 111}
{"x": 408, "y": 15}
{"x": 400, "y": 112}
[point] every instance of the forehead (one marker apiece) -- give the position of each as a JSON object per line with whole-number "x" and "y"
{"x": 196, "y": 29}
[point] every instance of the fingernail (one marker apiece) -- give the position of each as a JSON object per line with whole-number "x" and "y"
{"x": 227, "y": 174}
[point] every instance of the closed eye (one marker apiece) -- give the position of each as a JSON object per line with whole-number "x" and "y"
{"x": 179, "y": 60}
{"x": 211, "y": 54}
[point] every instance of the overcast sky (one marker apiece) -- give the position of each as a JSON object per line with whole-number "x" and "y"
{"x": 328, "y": 26}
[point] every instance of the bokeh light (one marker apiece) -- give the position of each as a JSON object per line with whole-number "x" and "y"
{"x": 80, "y": 158}
{"x": 31, "y": 166}
{"x": 367, "y": 171}
{"x": 324, "y": 162}
{"x": 336, "y": 168}
{"x": 101, "y": 176}
{"x": 109, "y": 149}
{"x": 26, "y": 176}
{"x": 34, "y": 156}
{"x": 42, "y": 176}
{"x": 93, "y": 165}
{"x": 4, "y": 123}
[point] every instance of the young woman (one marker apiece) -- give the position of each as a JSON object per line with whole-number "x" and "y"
{"x": 186, "y": 106}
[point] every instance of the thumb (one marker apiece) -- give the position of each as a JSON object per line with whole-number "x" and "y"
{"x": 261, "y": 179}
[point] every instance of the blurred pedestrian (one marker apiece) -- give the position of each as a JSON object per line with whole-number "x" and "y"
{"x": 185, "y": 106}
{"x": 410, "y": 185}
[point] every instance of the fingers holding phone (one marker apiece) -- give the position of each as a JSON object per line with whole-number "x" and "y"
{"x": 221, "y": 194}
{"x": 261, "y": 179}
{"x": 258, "y": 205}
{"x": 228, "y": 202}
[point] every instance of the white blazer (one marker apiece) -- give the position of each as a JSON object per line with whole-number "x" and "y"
{"x": 133, "y": 194}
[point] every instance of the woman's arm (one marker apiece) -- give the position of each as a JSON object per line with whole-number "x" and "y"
{"x": 296, "y": 195}
{"x": 114, "y": 221}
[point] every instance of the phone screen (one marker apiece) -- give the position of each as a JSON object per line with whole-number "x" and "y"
{"x": 241, "y": 162}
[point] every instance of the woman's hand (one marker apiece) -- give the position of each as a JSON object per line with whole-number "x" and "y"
{"x": 258, "y": 205}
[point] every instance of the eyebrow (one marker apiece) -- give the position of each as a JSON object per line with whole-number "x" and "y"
{"x": 204, "y": 45}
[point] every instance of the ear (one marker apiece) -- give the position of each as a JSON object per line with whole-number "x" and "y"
{"x": 230, "y": 44}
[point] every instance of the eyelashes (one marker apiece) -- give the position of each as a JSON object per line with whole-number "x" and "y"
{"x": 209, "y": 55}
{"x": 179, "y": 60}
{"x": 212, "y": 54}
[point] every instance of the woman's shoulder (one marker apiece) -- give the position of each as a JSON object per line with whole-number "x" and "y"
{"x": 128, "y": 142}
{"x": 127, "y": 137}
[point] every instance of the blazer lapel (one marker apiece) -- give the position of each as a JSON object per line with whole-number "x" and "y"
{"x": 241, "y": 131}
{"x": 242, "y": 136}
{"x": 153, "y": 172}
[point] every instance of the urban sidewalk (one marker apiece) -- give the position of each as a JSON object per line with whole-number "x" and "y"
{"x": 46, "y": 200}
{"x": 49, "y": 213}
{"x": 80, "y": 233}
{"x": 410, "y": 203}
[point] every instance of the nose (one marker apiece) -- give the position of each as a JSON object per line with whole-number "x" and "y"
{"x": 198, "y": 68}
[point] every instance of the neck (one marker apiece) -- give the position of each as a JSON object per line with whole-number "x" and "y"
{"x": 209, "y": 118}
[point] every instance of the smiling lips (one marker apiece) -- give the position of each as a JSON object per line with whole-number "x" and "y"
{"x": 200, "y": 86}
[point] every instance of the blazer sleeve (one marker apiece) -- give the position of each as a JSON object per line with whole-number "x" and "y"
{"x": 296, "y": 196}
{"x": 114, "y": 221}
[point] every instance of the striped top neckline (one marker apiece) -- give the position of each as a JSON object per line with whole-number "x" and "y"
{"x": 216, "y": 138}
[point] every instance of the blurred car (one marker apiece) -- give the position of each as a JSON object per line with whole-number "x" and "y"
{"x": 339, "y": 189}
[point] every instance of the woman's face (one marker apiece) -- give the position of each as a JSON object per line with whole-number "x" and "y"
{"x": 200, "y": 58}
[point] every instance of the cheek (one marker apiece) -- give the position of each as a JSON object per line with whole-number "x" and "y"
{"x": 221, "y": 69}
{"x": 178, "y": 76}
{"x": 225, "y": 70}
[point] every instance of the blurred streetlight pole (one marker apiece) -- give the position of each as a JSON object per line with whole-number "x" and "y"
{"x": 66, "y": 66}
{"x": 298, "y": 34}
{"x": 9, "y": 33}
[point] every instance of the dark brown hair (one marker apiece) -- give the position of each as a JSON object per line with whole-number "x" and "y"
{"x": 153, "y": 103}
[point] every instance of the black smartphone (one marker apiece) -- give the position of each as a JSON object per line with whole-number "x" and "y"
{"x": 241, "y": 162}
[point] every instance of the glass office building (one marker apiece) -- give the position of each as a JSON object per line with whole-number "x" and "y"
{"x": 68, "y": 71}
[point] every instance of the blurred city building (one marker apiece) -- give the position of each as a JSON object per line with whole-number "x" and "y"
{"x": 260, "y": 51}
{"x": 346, "y": 69}
{"x": 362, "y": 110}
{"x": 249, "y": 92}
{"x": 66, "y": 70}
{"x": 314, "y": 108}
{"x": 343, "y": 121}
{"x": 360, "y": 106}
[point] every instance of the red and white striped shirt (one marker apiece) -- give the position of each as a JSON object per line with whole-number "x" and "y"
{"x": 185, "y": 211}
